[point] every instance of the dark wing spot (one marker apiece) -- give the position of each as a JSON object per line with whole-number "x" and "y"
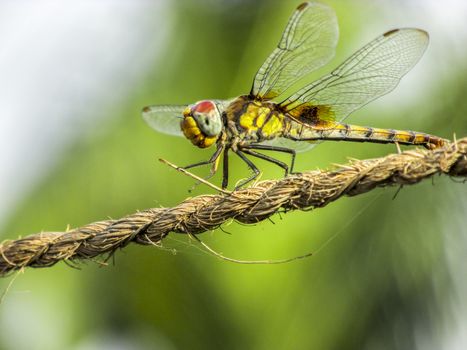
{"x": 146, "y": 109}
{"x": 315, "y": 115}
{"x": 391, "y": 32}
{"x": 309, "y": 115}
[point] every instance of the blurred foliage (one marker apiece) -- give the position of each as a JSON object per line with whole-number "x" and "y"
{"x": 378, "y": 279}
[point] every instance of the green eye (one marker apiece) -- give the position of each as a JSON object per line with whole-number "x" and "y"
{"x": 210, "y": 125}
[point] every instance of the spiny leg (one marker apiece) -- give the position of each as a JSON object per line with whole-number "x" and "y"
{"x": 267, "y": 158}
{"x": 276, "y": 149}
{"x": 225, "y": 168}
{"x": 211, "y": 160}
{"x": 215, "y": 163}
{"x": 250, "y": 164}
{"x": 214, "y": 160}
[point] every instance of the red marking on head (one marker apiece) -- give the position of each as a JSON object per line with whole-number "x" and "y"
{"x": 203, "y": 107}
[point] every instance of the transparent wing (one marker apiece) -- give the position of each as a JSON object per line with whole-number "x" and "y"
{"x": 308, "y": 42}
{"x": 164, "y": 118}
{"x": 371, "y": 72}
{"x": 298, "y": 146}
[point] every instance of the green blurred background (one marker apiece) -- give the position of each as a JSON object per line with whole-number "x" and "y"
{"x": 387, "y": 273}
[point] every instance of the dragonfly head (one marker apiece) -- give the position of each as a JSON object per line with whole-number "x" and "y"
{"x": 202, "y": 123}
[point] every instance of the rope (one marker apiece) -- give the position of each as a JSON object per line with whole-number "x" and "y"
{"x": 308, "y": 190}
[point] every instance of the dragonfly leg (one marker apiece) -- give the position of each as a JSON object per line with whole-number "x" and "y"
{"x": 214, "y": 161}
{"x": 251, "y": 165}
{"x": 225, "y": 169}
{"x": 276, "y": 149}
{"x": 211, "y": 160}
{"x": 267, "y": 158}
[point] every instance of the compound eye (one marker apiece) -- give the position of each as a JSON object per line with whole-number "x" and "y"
{"x": 201, "y": 118}
{"x": 207, "y": 118}
{"x": 207, "y": 124}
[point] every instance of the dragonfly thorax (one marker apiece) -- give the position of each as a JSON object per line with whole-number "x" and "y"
{"x": 202, "y": 123}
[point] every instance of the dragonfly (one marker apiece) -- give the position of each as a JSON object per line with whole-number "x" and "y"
{"x": 271, "y": 118}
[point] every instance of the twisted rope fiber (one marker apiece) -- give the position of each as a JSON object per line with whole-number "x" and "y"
{"x": 309, "y": 190}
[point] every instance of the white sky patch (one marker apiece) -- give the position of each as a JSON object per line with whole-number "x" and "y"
{"x": 61, "y": 63}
